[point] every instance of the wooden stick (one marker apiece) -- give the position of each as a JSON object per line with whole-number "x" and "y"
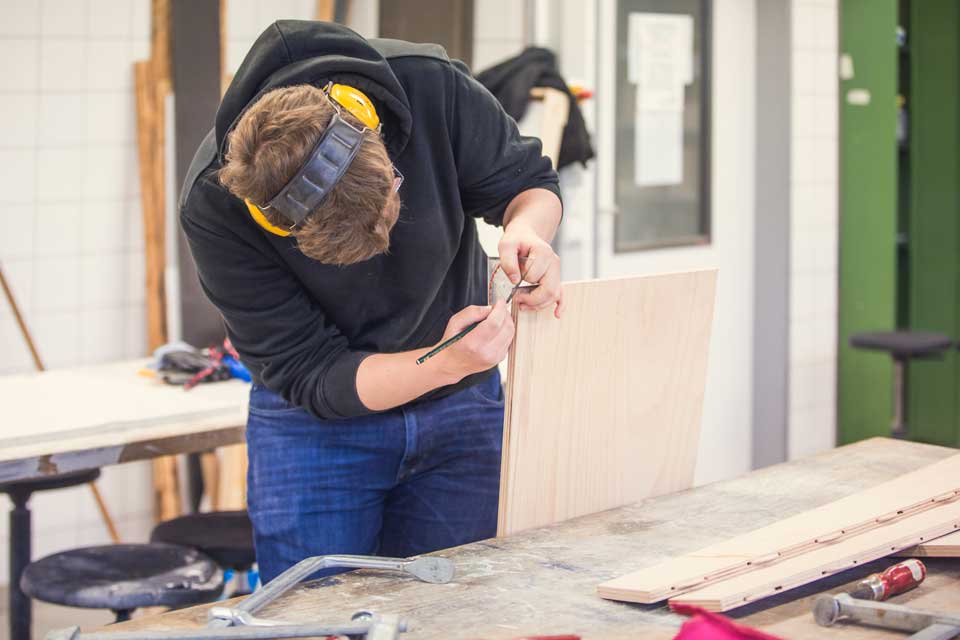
{"x": 20, "y": 322}
{"x": 105, "y": 513}
{"x": 153, "y": 81}
{"x": 38, "y": 363}
{"x": 233, "y": 474}
{"x": 326, "y": 10}
{"x": 556, "y": 110}
{"x": 210, "y": 467}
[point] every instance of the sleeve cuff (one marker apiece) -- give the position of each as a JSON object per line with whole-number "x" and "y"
{"x": 339, "y": 386}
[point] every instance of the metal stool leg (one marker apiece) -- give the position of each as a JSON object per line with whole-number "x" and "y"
{"x": 898, "y": 429}
{"x": 20, "y": 607}
{"x": 122, "y": 615}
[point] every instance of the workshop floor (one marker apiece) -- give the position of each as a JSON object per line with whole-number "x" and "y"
{"x": 47, "y": 617}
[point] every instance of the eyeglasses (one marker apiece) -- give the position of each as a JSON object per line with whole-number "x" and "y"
{"x": 397, "y": 179}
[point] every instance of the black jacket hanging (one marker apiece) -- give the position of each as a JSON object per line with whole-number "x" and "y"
{"x": 511, "y": 82}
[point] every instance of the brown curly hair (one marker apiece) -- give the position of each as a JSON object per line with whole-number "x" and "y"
{"x": 269, "y": 145}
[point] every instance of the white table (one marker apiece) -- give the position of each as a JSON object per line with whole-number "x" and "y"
{"x": 67, "y": 420}
{"x": 80, "y": 418}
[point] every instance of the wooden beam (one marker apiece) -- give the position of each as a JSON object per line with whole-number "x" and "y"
{"x": 603, "y": 406}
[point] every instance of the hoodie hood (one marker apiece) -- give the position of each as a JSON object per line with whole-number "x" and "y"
{"x": 291, "y": 52}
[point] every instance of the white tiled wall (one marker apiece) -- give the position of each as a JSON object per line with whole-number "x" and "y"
{"x": 246, "y": 19}
{"x": 499, "y": 31}
{"x": 498, "y": 34}
{"x": 814, "y": 227}
{"x": 71, "y": 239}
{"x": 71, "y": 235}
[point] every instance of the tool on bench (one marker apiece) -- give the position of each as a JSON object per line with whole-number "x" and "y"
{"x": 901, "y": 577}
{"x": 359, "y": 628}
{"x": 429, "y": 569}
{"x": 926, "y": 625}
{"x": 240, "y": 623}
{"x": 449, "y": 341}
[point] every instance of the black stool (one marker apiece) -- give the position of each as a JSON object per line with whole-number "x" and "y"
{"x": 20, "y": 539}
{"x": 225, "y": 536}
{"x": 903, "y": 346}
{"x": 124, "y": 577}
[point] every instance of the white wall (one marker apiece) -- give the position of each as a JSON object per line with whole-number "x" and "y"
{"x": 71, "y": 234}
{"x": 71, "y": 239}
{"x": 814, "y": 231}
{"x": 725, "y": 441}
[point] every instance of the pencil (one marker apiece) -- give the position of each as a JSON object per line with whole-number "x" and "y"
{"x": 449, "y": 341}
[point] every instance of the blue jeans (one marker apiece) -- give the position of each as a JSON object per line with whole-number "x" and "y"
{"x": 407, "y": 481}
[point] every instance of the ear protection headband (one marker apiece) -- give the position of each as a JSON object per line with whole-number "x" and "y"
{"x": 326, "y": 163}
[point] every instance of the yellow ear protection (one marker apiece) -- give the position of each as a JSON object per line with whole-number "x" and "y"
{"x": 326, "y": 163}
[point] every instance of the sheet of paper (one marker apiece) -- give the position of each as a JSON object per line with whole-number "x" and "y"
{"x": 660, "y": 64}
{"x": 658, "y": 144}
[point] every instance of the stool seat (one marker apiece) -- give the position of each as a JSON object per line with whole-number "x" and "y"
{"x": 903, "y": 344}
{"x": 46, "y": 483}
{"x": 124, "y": 577}
{"x": 225, "y": 536}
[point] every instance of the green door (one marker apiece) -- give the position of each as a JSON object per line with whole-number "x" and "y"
{"x": 868, "y": 225}
{"x": 934, "y": 213}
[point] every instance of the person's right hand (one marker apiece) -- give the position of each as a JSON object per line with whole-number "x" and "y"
{"x": 482, "y": 348}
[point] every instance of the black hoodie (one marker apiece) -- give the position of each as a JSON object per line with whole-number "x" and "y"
{"x": 303, "y": 327}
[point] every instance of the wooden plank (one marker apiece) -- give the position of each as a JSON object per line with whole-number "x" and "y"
{"x": 233, "y": 478}
{"x": 556, "y": 110}
{"x": 150, "y": 135}
{"x": 947, "y": 546}
{"x": 824, "y": 561}
{"x": 326, "y": 10}
{"x": 542, "y": 581}
{"x": 873, "y": 523}
{"x": 603, "y": 405}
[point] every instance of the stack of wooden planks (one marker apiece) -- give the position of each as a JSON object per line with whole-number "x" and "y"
{"x": 603, "y": 405}
{"x": 896, "y": 515}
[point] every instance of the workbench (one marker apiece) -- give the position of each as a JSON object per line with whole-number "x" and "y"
{"x": 543, "y": 581}
{"x": 89, "y": 417}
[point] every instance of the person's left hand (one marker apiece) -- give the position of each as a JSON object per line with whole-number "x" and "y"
{"x": 541, "y": 266}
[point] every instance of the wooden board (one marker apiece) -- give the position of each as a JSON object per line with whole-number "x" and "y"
{"x": 870, "y": 524}
{"x": 947, "y": 546}
{"x": 764, "y": 582}
{"x": 604, "y": 405}
{"x": 542, "y": 581}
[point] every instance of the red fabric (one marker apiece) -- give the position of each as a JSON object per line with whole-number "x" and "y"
{"x": 706, "y": 625}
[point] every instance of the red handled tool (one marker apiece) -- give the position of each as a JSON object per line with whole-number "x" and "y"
{"x": 901, "y": 577}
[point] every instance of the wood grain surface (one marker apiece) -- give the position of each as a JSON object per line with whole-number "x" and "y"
{"x": 604, "y": 405}
{"x": 947, "y": 546}
{"x": 758, "y": 562}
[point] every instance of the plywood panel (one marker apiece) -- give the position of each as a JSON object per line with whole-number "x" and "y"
{"x": 870, "y": 524}
{"x": 604, "y": 405}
